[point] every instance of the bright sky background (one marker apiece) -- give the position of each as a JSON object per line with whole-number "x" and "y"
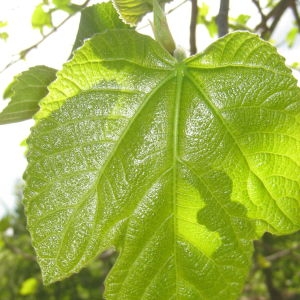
{"x": 55, "y": 51}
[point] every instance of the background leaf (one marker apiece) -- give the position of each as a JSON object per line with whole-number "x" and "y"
{"x": 178, "y": 165}
{"x": 29, "y": 287}
{"x": 27, "y": 89}
{"x": 95, "y": 19}
{"x": 133, "y": 11}
{"x": 291, "y": 36}
{"x": 208, "y": 22}
{"x": 3, "y": 35}
{"x": 41, "y": 18}
{"x": 67, "y": 6}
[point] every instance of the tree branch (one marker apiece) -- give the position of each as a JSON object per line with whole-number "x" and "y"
{"x": 278, "y": 13}
{"x": 24, "y": 52}
{"x": 274, "y": 293}
{"x": 279, "y": 8}
{"x": 193, "y": 25}
{"x": 277, "y": 255}
{"x": 263, "y": 24}
{"x": 222, "y": 18}
{"x": 275, "y": 14}
{"x": 296, "y": 14}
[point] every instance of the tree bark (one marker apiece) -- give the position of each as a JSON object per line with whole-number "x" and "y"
{"x": 193, "y": 25}
{"x": 273, "y": 291}
{"x": 222, "y": 18}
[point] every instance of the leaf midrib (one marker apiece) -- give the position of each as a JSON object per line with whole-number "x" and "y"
{"x": 176, "y": 116}
{"x": 124, "y": 133}
{"x": 129, "y": 125}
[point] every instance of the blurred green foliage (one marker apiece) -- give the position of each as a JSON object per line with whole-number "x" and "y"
{"x": 41, "y": 18}
{"x": 3, "y": 34}
{"x": 208, "y": 21}
{"x": 276, "y": 271}
{"x": 270, "y": 13}
{"x": 42, "y": 15}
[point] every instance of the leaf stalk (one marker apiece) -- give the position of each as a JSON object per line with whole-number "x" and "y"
{"x": 161, "y": 28}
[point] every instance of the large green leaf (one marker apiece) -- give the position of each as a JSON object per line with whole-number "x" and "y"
{"x": 25, "y": 91}
{"x": 178, "y": 165}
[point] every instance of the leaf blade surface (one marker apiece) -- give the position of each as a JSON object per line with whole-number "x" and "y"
{"x": 146, "y": 156}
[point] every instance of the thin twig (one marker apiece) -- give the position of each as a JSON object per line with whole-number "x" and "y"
{"x": 278, "y": 13}
{"x": 263, "y": 24}
{"x": 167, "y": 13}
{"x": 281, "y": 5}
{"x": 175, "y": 7}
{"x": 274, "y": 292}
{"x": 222, "y": 18}
{"x": 193, "y": 26}
{"x": 275, "y": 14}
{"x": 282, "y": 253}
{"x": 24, "y": 52}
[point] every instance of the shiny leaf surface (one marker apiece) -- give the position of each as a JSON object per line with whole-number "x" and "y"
{"x": 177, "y": 165}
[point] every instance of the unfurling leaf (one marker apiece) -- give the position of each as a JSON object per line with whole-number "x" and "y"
{"x": 132, "y": 11}
{"x": 161, "y": 29}
{"x": 177, "y": 165}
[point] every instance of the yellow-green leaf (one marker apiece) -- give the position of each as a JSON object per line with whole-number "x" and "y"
{"x": 177, "y": 165}
{"x": 41, "y": 18}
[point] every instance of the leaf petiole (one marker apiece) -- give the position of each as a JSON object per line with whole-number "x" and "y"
{"x": 161, "y": 29}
